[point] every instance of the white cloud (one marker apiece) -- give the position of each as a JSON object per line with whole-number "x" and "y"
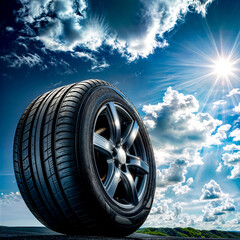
{"x": 234, "y": 92}
{"x": 85, "y": 55}
{"x": 179, "y": 132}
{"x": 14, "y": 212}
{"x": 237, "y": 121}
{"x": 219, "y": 204}
{"x": 150, "y": 123}
{"x": 219, "y": 103}
{"x": 212, "y": 190}
{"x": 159, "y": 17}
{"x": 23, "y": 45}
{"x": 165, "y": 212}
{"x": 29, "y": 59}
{"x": 238, "y": 218}
{"x": 172, "y": 175}
{"x": 34, "y": 60}
{"x": 177, "y": 129}
{"x": 220, "y": 135}
{"x": 215, "y": 209}
{"x": 217, "y": 212}
{"x": 237, "y": 108}
{"x": 62, "y": 67}
{"x": 209, "y": 216}
{"x": 177, "y": 210}
{"x": 231, "y": 147}
{"x": 235, "y": 134}
{"x": 183, "y": 189}
{"x": 232, "y": 160}
{"x": 67, "y": 25}
{"x": 160, "y": 208}
{"x": 9, "y": 29}
{"x": 97, "y": 65}
{"x": 219, "y": 168}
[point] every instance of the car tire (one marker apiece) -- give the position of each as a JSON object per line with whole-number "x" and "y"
{"x": 83, "y": 161}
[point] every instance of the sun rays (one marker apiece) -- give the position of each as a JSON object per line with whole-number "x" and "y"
{"x": 209, "y": 69}
{"x": 223, "y": 67}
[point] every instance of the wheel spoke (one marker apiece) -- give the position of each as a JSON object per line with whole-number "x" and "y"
{"x": 113, "y": 178}
{"x": 130, "y": 134}
{"x": 129, "y": 185}
{"x": 136, "y": 181}
{"x": 114, "y": 123}
{"x": 102, "y": 144}
{"x": 137, "y": 164}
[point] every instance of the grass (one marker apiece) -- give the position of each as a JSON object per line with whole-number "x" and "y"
{"x": 189, "y": 232}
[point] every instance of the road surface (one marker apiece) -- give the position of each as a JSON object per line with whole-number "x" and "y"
{"x": 42, "y": 233}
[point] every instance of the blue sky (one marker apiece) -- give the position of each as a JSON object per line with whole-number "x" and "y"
{"x": 177, "y": 61}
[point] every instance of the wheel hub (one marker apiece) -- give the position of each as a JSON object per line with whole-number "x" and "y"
{"x": 120, "y": 155}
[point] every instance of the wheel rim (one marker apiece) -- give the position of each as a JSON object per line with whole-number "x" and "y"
{"x": 120, "y": 155}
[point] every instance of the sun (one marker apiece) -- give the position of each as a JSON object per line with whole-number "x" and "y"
{"x": 223, "y": 67}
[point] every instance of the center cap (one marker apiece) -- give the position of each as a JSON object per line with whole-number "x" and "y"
{"x": 121, "y": 155}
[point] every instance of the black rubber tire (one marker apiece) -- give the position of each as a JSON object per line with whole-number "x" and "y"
{"x": 54, "y": 169}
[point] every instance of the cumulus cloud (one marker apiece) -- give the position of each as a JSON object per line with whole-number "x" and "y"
{"x": 13, "y": 211}
{"x": 212, "y": 190}
{"x": 215, "y": 209}
{"x": 166, "y": 212}
{"x": 233, "y": 161}
{"x": 177, "y": 210}
{"x": 183, "y": 189}
{"x": 178, "y": 133}
{"x": 160, "y": 208}
{"x": 219, "y": 203}
{"x": 237, "y": 108}
{"x": 172, "y": 175}
{"x": 7, "y": 199}
{"x": 238, "y": 218}
{"x": 217, "y": 212}
{"x": 235, "y": 134}
{"x": 209, "y": 217}
{"x": 68, "y": 25}
{"x": 176, "y": 126}
{"x": 234, "y": 92}
{"x": 221, "y": 134}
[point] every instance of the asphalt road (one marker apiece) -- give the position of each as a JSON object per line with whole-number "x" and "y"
{"x": 41, "y": 233}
